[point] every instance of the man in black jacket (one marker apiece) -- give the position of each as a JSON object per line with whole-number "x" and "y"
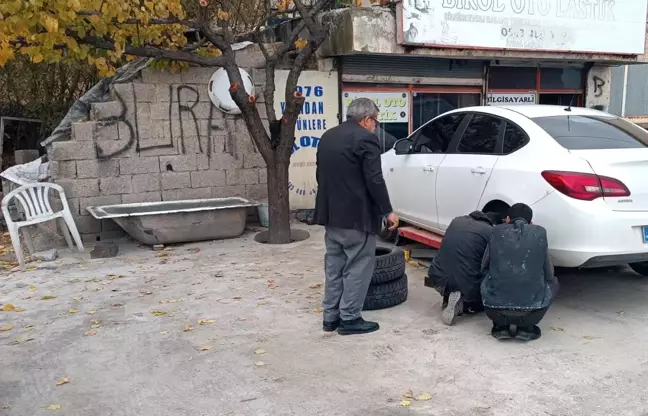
{"x": 351, "y": 201}
{"x": 519, "y": 284}
{"x": 456, "y": 272}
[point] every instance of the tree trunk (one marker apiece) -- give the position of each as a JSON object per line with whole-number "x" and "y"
{"x": 278, "y": 199}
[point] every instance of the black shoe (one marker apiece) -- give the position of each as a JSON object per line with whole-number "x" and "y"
{"x": 528, "y": 333}
{"x": 357, "y": 326}
{"x": 453, "y": 309}
{"x": 501, "y": 332}
{"x": 330, "y": 326}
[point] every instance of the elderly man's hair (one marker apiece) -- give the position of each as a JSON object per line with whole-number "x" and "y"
{"x": 360, "y": 108}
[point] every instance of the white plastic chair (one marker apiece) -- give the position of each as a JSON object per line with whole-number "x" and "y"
{"x": 34, "y": 199}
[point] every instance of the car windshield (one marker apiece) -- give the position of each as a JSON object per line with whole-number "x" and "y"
{"x": 593, "y": 132}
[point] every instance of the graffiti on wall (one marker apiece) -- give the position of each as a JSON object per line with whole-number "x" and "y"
{"x": 186, "y": 117}
{"x": 599, "y": 83}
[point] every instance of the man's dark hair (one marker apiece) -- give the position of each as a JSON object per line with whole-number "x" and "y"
{"x": 522, "y": 211}
{"x": 494, "y": 217}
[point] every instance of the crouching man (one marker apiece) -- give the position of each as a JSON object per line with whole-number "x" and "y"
{"x": 456, "y": 272}
{"x": 519, "y": 283}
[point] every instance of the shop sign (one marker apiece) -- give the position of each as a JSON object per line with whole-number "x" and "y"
{"x": 394, "y": 106}
{"x": 319, "y": 113}
{"x": 601, "y": 26}
{"x": 511, "y": 99}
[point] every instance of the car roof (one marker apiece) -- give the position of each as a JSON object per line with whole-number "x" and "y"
{"x": 537, "y": 110}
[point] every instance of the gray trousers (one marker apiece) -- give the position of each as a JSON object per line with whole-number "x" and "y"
{"x": 349, "y": 265}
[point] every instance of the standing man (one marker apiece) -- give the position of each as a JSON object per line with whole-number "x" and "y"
{"x": 351, "y": 200}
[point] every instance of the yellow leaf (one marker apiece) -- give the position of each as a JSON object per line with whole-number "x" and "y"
{"x": 408, "y": 395}
{"x": 223, "y": 15}
{"x": 92, "y": 312}
{"x": 423, "y": 397}
{"x": 553, "y": 328}
{"x": 405, "y": 403}
{"x": 301, "y": 43}
{"x": 32, "y": 288}
{"x": 259, "y": 363}
{"x": 19, "y": 310}
{"x": 205, "y": 348}
{"x": 41, "y": 60}
{"x": 262, "y": 302}
{"x": 188, "y": 327}
{"x": 54, "y": 407}
{"x": 73, "y": 310}
{"x": 206, "y": 321}
{"x": 158, "y": 313}
{"x": 259, "y": 351}
{"x": 48, "y": 297}
{"x": 21, "y": 341}
{"x": 5, "y": 328}
{"x": 164, "y": 332}
{"x": 8, "y": 307}
{"x": 38, "y": 58}
{"x": 318, "y": 310}
{"x": 63, "y": 381}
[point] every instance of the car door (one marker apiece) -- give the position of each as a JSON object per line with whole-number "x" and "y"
{"x": 465, "y": 171}
{"x": 411, "y": 171}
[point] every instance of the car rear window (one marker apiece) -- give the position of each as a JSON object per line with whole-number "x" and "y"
{"x": 593, "y": 132}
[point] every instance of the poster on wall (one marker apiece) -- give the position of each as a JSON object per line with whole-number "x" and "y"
{"x": 394, "y": 106}
{"x": 320, "y": 111}
{"x": 601, "y": 26}
{"x": 511, "y": 98}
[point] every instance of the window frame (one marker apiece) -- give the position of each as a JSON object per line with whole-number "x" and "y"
{"x": 501, "y": 145}
{"x": 453, "y": 148}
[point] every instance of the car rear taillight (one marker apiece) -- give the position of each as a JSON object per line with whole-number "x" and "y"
{"x": 585, "y": 186}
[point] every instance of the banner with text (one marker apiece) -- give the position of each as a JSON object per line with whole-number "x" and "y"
{"x": 597, "y": 26}
{"x": 320, "y": 111}
{"x": 394, "y": 106}
{"x": 511, "y": 98}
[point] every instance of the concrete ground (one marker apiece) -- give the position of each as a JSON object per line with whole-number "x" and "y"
{"x": 116, "y": 331}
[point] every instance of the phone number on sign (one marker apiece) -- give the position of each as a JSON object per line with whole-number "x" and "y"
{"x": 532, "y": 35}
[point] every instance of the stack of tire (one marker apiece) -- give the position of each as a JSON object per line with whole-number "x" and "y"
{"x": 389, "y": 282}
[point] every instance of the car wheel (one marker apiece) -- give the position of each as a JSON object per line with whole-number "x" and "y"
{"x": 390, "y": 265}
{"x": 641, "y": 268}
{"x": 386, "y": 295}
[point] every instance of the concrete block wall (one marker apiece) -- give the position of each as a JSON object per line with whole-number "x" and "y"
{"x": 158, "y": 139}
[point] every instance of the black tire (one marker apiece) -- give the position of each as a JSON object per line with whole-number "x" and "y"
{"x": 390, "y": 265}
{"x": 386, "y": 295}
{"x": 641, "y": 268}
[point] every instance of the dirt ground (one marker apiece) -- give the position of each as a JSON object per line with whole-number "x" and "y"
{"x": 125, "y": 333}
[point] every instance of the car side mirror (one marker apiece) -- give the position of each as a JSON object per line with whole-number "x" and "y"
{"x": 403, "y": 147}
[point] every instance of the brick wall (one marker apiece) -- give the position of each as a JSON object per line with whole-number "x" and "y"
{"x": 159, "y": 139}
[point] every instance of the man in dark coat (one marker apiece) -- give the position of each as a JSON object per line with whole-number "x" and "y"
{"x": 456, "y": 272}
{"x": 519, "y": 284}
{"x": 351, "y": 201}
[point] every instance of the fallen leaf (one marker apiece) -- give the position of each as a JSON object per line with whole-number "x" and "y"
{"x": 620, "y": 313}
{"x": 195, "y": 249}
{"x": 114, "y": 276}
{"x": 91, "y": 312}
{"x": 205, "y": 348}
{"x": 21, "y": 341}
{"x": 318, "y": 310}
{"x": 188, "y": 327}
{"x": 423, "y": 397}
{"x": 405, "y": 403}
{"x": 53, "y": 407}
{"x": 63, "y": 381}
{"x": 557, "y": 329}
{"x": 48, "y": 297}
{"x": 5, "y": 328}
{"x": 91, "y": 333}
{"x": 206, "y": 321}
{"x": 8, "y": 307}
{"x": 408, "y": 394}
{"x": 259, "y": 363}
{"x": 164, "y": 332}
{"x": 74, "y": 281}
{"x": 172, "y": 301}
{"x": 590, "y": 337}
{"x": 259, "y": 351}
{"x": 31, "y": 267}
{"x": 316, "y": 286}
{"x": 272, "y": 284}
{"x": 19, "y": 310}
{"x": 117, "y": 305}
{"x": 28, "y": 328}
{"x": 78, "y": 298}
{"x": 32, "y": 288}
{"x": 73, "y": 310}
{"x": 95, "y": 324}
{"x": 242, "y": 319}
{"x": 158, "y": 313}
{"x": 218, "y": 274}
{"x": 141, "y": 294}
{"x": 262, "y": 302}
{"x": 237, "y": 297}
{"x": 27, "y": 297}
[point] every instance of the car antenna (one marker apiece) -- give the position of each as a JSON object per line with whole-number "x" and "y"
{"x": 570, "y": 103}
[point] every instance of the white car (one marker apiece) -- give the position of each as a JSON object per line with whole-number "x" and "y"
{"x": 584, "y": 173}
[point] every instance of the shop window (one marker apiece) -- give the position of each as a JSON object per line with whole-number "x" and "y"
{"x": 514, "y": 138}
{"x": 427, "y": 106}
{"x": 390, "y": 133}
{"x": 561, "y": 79}
{"x": 435, "y": 137}
{"x": 481, "y": 135}
{"x": 512, "y": 78}
{"x": 575, "y": 100}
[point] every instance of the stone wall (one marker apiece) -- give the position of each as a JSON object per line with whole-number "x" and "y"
{"x": 159, "y": 139}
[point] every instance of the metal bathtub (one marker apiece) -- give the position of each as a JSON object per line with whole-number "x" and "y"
{"x": 179, "y": 221}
